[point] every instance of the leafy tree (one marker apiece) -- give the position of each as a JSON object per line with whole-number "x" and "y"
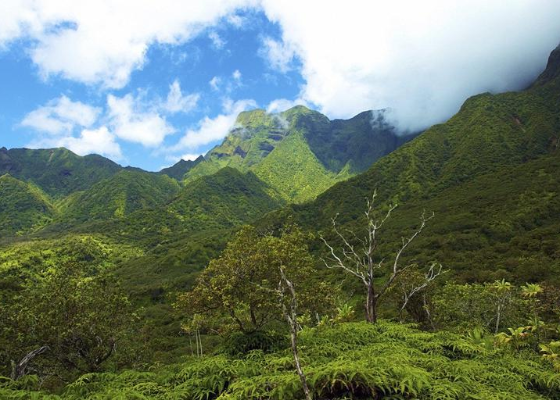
{"x": 65, "y": 321}
{"x": 236, "y": 288}
{"x": 489, "y": 306}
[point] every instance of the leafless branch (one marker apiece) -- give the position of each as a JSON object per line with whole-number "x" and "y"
{"x": 434, "y": 271}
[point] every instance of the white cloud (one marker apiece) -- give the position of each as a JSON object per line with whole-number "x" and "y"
{"x": 61, "y": 116}
{"x": 90, "y": 141}
{"x": 236, "y": 75}
{"x": 98, "y": 141}
{"x": 212, "y": 129}
{"x": 215, "y": 83}
{"x": 279, "y": 105}
{"x": 421, "y": 58}
{"x": 217, "y": 41}
{"x": 235, "y": 20}
{"x": 177, "y": 102}
{"x": 103, "y": 41}
{"x": 130, "y": 121}
{"x": 279, "y": 54}
{"x": 190, "y": 157}
{"x": 132, "y": 118}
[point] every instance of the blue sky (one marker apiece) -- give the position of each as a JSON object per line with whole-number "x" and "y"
{"x": 146, "y": 83}
{"x": 223, "y": 64}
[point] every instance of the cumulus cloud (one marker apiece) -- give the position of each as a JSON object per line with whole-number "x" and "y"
{"x": 130, "y": 121}
{"x": 215, "y": 83}
{"x": 61, "y": 116}
{"x": 102, "y": 42}
{"x": 89, "y": 141}
{"x": 278, "y": 54}
{"x": 61, "y": 119}
{"x": 177, "y": 102}
{"x": 279, "y": 105}
{"x": 422, "y": 59}
{"x": 216, "y": 39}
{"x": 213, "y": 129}
{"x": 98, "y": 141}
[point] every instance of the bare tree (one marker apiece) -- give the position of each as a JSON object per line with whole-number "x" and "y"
{"x": 289, "y": 309}
{"x": 408, "y": 291}
{"x": 361, "y": 260}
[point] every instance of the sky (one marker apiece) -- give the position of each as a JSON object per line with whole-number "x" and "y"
{"x": 146, "y": 83}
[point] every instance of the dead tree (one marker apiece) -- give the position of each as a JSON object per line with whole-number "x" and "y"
{"x": 361, "y": 260}
{"x": 408, "y": 292}
{"x": 289, "y": 309}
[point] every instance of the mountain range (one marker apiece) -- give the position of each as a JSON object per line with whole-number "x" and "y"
{"x": 489, "y": 174}
{"x": 291, "y": 156}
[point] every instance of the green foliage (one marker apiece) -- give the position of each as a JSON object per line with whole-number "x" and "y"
{"x": 239, "y": 343}
{"x": 239, "y": 288}
{"x": 58, "y": 172}
{"x": 80, "y": 313}
{"x": 305, "y": 178}
{"x": 212, "y": 203}
{"x": 119, "y": 196}
{"x": 463, "y": 307}
{"x": 349, "y": 360}
{"x": 23, "y": 207}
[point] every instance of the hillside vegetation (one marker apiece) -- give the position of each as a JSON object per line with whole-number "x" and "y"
{"x": 23, "y": 207}
{"x": 247, "y": 274}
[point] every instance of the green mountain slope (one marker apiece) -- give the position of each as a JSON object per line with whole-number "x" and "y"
{"x": 120, "y": 195}
{"x": 227, "y": 198}
{"x": 180, "y": 236}
{"x": 304, "y": 144}
{"x": 220, "y": 201}
{"x": 58, "y": 172}
{"x": 488, "y": 173}
{"x": 23, "y": 207}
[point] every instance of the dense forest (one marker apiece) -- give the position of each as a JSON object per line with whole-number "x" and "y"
{"x": 301, "y": 259}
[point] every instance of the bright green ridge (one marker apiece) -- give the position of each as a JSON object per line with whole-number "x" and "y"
{"x": 220, "y": 201}
{"x": 23, "y": 207}
{"x": 118, "y": 196}
{"x": 279, "y": 146}
{"x": 58, "y": 172}
{"x": 295, "y": 172}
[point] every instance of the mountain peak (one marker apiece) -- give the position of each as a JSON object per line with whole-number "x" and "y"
{"x": 178, "y": 170}
{"x": 253, "y": 118}
{"x": 552, "y": 70}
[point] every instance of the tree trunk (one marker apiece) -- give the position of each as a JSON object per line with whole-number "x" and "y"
{"x": 498, "y": 317}
{"x": 293, "y": 335}
{"x": 371, "y": 304}
{"x": 291, "y": 318}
